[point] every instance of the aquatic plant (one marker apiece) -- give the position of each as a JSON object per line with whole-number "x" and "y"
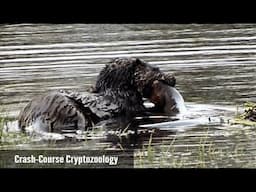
{"x": 248, "y": 117}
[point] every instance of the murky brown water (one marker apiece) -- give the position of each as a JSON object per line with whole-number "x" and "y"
{"x": 214, "y": 65}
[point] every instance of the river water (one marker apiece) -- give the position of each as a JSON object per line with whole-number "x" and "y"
{"x": 214, "y": 64}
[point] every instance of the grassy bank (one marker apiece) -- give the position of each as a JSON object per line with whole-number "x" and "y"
{"x": 203, "y": 153}
{"x": 7, "y": 138}
{"x": 233, "y": 146}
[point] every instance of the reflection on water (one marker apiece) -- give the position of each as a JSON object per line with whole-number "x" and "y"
{"x": 214, "y": 65}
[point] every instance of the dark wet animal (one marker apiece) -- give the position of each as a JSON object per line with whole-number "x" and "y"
{"x": 119, "y": 91}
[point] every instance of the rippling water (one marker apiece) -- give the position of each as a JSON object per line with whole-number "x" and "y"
{"x": 214, "y": 65}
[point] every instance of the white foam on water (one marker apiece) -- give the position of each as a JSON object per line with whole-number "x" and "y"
{"x": 36, "y": 129}
{"x": 43, "y": 135}
{"x": 193, "y": 114}
{"x": 11, "y": 126}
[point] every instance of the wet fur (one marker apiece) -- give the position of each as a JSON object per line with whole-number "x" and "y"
{"x": 119, "y": 91}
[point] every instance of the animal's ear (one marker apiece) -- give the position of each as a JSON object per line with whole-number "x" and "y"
{"x": 114, "y": 60}
{"x": 169, "y": 79}
{"x": 138, "y": 61}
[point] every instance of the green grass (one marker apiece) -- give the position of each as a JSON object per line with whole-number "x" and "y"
{"x": 10, "y": 139}
{"x": 206, "y": 153}
{"x": 2, "y": 121}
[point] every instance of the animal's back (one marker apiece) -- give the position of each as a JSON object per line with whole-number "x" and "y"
{"x": 53, "y": 112}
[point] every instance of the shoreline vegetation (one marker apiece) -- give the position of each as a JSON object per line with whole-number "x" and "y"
{"x": 10, "y": 139}
{"x": 248, "y": 117}
{"x": 207, "y": 152}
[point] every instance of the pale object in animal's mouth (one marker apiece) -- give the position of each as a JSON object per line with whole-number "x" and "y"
{"x": 178, "y": 99}
{"x": 167, "y": 99}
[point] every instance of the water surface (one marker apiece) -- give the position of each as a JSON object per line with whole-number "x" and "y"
{"x": 214, "y": 65}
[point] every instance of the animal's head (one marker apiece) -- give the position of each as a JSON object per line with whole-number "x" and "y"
{"x": 133, "y": 74}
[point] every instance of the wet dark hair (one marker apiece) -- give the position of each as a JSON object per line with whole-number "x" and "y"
{"x": 119, "y": 91}
{"x": 131, "y": 74}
